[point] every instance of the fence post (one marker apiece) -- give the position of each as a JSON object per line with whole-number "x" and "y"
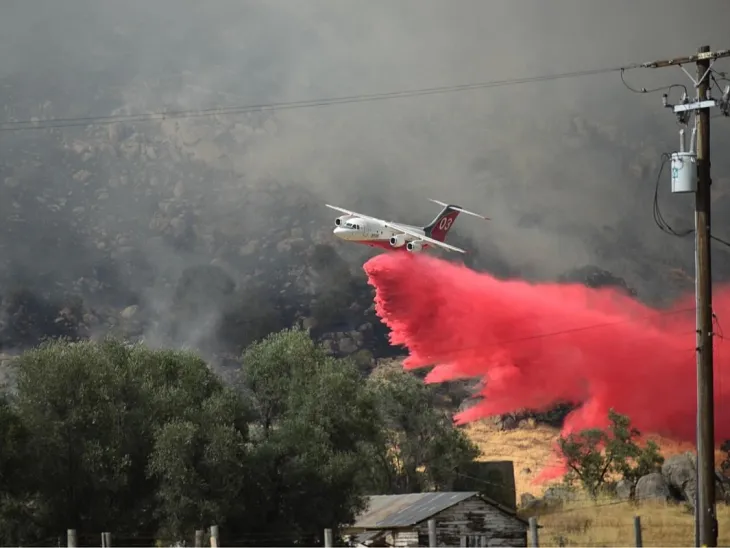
{"x": 328, "y": 538}
{"x": 214, "y": 540}
{"x": 199, "y": 538}
{"x": 534, "y": 541}
{"x": 71, "y": 538}
{"x": 637, "y": 531}
{"x": 432, "y": 533}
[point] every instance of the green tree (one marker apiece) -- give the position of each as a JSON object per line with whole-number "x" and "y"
{"x": 19, "y": 509}
{"x": 420, "y": 448}
{"x": 70, "y": 400}
{"x": 103, "y": 444}
{"x": 725, "y": 463}
{"x": 109, "y": 436}
{"x": 593, "y": 455}
{"x": 314, "y": 420}
{"x": 200, "y": 464}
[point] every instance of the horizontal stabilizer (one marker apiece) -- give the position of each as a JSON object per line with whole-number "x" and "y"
{"x": 460, "y": 209}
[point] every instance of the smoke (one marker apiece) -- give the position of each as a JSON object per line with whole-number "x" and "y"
{"x": 565, "y": 168}
{"x": 537, "y": 345}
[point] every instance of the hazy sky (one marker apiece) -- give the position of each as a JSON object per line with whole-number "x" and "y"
{"x": 547, "y": 161}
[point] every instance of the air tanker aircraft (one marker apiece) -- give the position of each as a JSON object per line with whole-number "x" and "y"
{"x": 363, "y": 229}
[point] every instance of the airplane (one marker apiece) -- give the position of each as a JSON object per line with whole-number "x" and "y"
{"x": 363, "y": 229}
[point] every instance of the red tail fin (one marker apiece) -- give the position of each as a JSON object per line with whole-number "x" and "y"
{"x": 440, "y": 226}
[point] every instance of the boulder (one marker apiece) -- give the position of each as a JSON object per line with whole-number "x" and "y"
{"x": 679, "y": 474}
{"x": 346, "y": 345}
{"x": 557, "y": 494}
{"x": 624, "y": 490}
{"x": 652, "y": 487}
{"x": 529, "y": 502}
{"x": 129, "y": 312}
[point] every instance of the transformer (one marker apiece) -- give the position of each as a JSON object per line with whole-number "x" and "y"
{"x": 684, "y": 167}
{"x": 684, "y": 172}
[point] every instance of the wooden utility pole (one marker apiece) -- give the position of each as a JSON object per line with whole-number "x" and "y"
{"x": 707, "y": 522}
{"x": 705, "y": 518}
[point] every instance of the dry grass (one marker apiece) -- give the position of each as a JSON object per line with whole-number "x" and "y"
{"x": 588, "y": 523}
{"x": 530, "y": 447}
{"x": 611, "y": 523}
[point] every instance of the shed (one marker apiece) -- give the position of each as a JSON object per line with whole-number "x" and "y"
{"x": 465, "y": 518}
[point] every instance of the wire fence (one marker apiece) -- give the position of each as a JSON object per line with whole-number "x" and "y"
{"x": 639, "y": 530}
{"x": 578, "y": 522}
{"x": 201, "y": 538}
{"x": 650, "y": 522}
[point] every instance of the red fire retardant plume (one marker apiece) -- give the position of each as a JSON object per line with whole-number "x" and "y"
{"x": 536, "y": 345}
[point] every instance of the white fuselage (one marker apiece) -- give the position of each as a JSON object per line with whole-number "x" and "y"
{"x": 366, "y": 231}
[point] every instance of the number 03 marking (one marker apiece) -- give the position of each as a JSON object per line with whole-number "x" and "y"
{"x": 445, "y": 223}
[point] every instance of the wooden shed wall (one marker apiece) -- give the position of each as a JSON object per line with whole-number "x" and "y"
{"x": 475, "y": 517}
{"x": 403, "y": 538}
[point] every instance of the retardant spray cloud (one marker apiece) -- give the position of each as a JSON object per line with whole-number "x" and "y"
{"x": 540, "y": 344}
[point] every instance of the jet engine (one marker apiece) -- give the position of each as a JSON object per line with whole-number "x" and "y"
{"x": 398, "y": 240}
{"x": 341, "y": 220}
{"x": 415, "y": 246}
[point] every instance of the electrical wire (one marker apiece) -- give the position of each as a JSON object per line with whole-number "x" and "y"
{"x": 722, "y": 76}
{"x": 644, "y": 90}
{"x": 501, "y": 343}
{"x": 720, "y": 240}
{"x": 659, "y": 218}
{"x": 21, "y": 125}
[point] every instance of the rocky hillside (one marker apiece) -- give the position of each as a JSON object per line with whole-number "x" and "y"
{"x": 115, "y": 229}
{"x": 530, "y": 446}
{"x": 154, "y": 230}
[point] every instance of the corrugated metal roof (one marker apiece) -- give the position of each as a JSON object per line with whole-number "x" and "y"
{"x": 406, "y": 510}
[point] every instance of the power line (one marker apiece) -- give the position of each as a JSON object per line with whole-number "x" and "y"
{"x": 654, "y": 90}
{"x": 657, "y": 314}
{"x": 242, "y": 109}
{"x": 691, "y": 174}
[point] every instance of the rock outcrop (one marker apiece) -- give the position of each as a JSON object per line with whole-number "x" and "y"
{"x": 652, "y": 487}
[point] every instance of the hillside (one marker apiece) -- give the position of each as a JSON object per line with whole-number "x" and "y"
{"x": 530, "y": 447}
{"x": 606, "y": 522}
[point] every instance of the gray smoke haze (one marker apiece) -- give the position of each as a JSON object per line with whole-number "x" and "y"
{"x": 566, "y": 169}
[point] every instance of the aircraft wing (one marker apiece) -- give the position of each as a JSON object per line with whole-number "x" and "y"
{"x": 431, "y": 241}
{"x": 354, "y": 213}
